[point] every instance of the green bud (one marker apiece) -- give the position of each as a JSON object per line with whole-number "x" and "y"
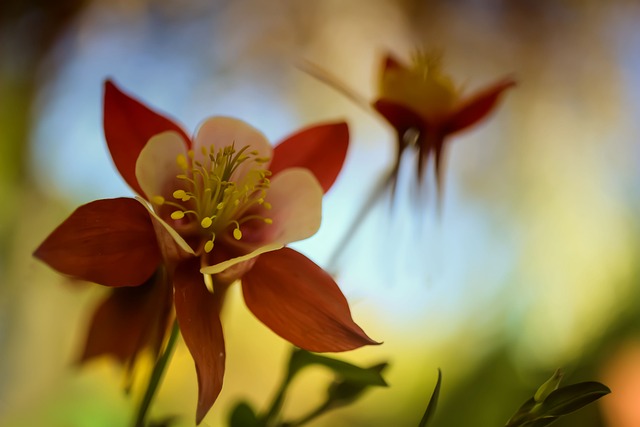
{"x": 550, "y": 385}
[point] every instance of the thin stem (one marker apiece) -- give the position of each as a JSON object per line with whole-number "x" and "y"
{"x": 311, "y": 415}
{"x": 276, "y": 404}
{"x": 156, "y": 377}
{"x": 358, "y": 220}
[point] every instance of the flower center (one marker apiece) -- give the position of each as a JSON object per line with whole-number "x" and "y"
{"x": 423, "y": 87}
{"x": 211, "y": 199}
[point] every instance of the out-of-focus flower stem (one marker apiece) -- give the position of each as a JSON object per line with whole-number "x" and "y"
{"x": 156, "y": 377}
{"x": 386, "y": 181}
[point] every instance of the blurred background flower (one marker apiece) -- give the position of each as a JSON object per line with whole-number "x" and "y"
{"x": 530, "y": 265}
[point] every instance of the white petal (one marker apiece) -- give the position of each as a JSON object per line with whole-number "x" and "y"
{"x": 296, "y": 199}
{"x": 224, "y": 131}
{"x": 156, "y": 167}
{"x": 220, "y": 267}
{"x": 173, "y": 233}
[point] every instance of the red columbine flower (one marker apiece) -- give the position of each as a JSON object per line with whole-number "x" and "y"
{"x": 425, "y": 107}
{"x": 211, "y": 211}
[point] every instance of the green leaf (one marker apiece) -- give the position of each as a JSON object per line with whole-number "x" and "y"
{"x": 549, "y": 386}
{"x": 345, "y": 371}
{"x": 522, "y": 415}
{"x": 243, "y": 416}
{"x": 433, "y": 402}
{"x": 557, "y": 403}
{"x": 344, "y": 392}
{"x": 572, "y": 397}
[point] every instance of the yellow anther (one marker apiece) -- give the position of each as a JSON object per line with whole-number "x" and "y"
{"x": 267, "y": 205}
{"x": 180, "y": 194}
{"x": 268, "y": 221}
{"x": 237, "y": 234}
{"x": 177, "y": 215}
{"x": 191, "y": 154}
{"x": 206, "y": 222}
{"x": 203, "y": 150}
{"x": 158, "y": 200}
{"x": 181, "y": 160}
{"x": 208, "y": 247}
{"x": 220, "y": 206}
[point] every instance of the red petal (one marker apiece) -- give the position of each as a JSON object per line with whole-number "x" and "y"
{"x": 110, "y": 242}
{"x": 300, "y": 302}
{"x": 128, "y": 125}
{"x": 129, "y": 320}
{"x": 477, "y": 107}
{"x": 198, "y": 313}
{"x": 321, "y": 149}
{"x": 399, "y": 116}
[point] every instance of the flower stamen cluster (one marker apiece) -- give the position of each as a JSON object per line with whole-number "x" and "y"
{"x": 210, "y": 200}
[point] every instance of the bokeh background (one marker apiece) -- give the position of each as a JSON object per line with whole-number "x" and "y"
{"x": 531, "y": 263}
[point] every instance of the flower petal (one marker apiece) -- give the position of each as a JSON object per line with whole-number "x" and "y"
{"x": 321, "y": 149}
{"x": 300, "y": 302}
{"x": 130, "y": 319}
{"x": 111, "y": 242}
{"x": 477, "y": 107}
{"x": 171, "y": 244}
{"x": 198, "y": 313}
{"x": 296, "y": 199}
{"x": 157, "y": 166}
{"x": 224, "y": 131}
{"x": 400, "y": 117}
{"x": 128, "y": 125}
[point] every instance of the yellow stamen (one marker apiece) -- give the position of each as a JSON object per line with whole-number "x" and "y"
{"x": 182, "y": 195}
{"x": 208, "y": 194}
{"x": 182, "y": 162}
{"x": 158, "y": 200}
{"x": 177, "y": 215}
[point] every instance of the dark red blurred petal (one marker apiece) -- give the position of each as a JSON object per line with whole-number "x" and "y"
{"x": 128, "y": 125}
{"x": 321, "y": 149}
{"x": 477, "y": 107}
{"x": 198, "y": 313}
{"x": 400, "y": 117}
{"x": 300, "y": 302}
{"x": 111, "y": 242}
{"x": 129, "y": 320}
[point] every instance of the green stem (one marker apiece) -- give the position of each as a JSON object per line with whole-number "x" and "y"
{"x": 156, "y": 377}
{"x": 276, "y": 404}
{"x": 311, "y": 415}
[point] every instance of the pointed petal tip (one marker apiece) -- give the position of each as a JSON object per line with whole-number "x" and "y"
{"x": 321, "y": 148}
{"x": 299, "y": 301}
